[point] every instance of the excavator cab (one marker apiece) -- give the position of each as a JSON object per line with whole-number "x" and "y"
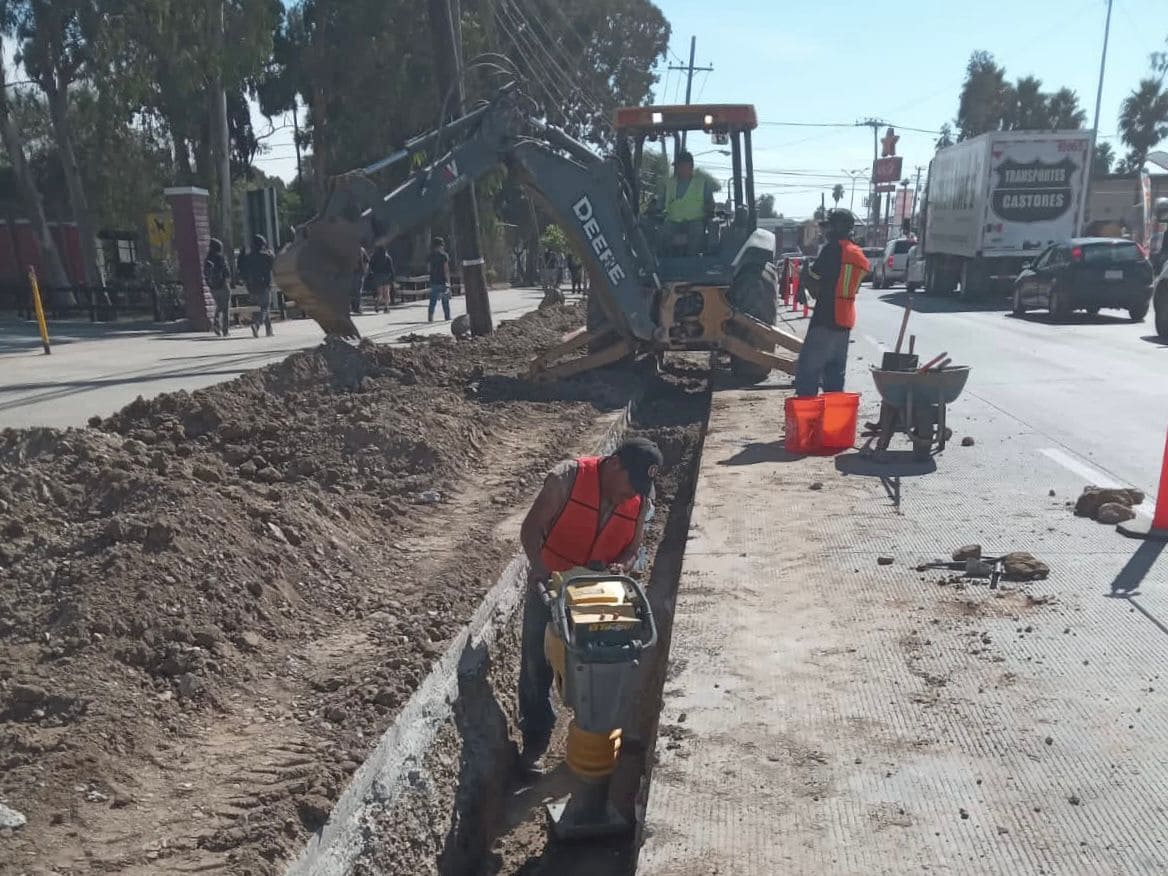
{"x": 722, "y": 263}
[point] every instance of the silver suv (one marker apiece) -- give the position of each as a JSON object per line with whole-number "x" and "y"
{"x": 893, "y": 266}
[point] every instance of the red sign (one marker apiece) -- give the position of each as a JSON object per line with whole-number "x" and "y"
{"x": 887, "y": 170}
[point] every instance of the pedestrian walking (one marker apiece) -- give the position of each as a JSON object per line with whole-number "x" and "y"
{"x": 833, "y": 280}
{"x": 256, "y": 268}
{"x": 439, "y": 278}
{"x": 381, "y": 270}
{"x": 217, "y": 276}
{"x": 360, "y": 269}
{"x": 575, "y": 270}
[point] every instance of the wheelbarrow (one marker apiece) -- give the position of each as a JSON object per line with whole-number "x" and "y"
{"x": 913, "y": 403}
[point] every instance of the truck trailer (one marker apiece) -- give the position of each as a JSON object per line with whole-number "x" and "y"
{"x": 995, "y": 201}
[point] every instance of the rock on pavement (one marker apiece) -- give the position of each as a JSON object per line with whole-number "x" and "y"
{"x": 10, "y": 818}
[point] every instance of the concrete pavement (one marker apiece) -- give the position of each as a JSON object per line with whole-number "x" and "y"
{"x": 99, "y": 369}
{"x": 825, "y": 713}
{"x": 1095, "y": 388}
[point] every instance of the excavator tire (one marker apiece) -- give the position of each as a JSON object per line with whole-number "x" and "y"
{"x": 755, "y": 291}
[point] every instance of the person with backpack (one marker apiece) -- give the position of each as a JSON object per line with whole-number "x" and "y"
{"x": 256, "y": 268}
{"x": 217, "y": 276}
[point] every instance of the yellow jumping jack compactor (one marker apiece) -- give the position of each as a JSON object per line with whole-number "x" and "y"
{"x": 600, "y": 626}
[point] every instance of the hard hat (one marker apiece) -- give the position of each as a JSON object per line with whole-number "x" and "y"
{"x": 841, "y": 221}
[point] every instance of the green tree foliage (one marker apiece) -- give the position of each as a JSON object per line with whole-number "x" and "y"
{"x": 837, "y": 193}
{"x": 990, "y": 103}
{"x": 582, "y": 58}
{"x": 1143, "y": 121}
{"x": 765, "y": 205}
{"x": 945, "y": 140}
{"x": 985, "y": 95}
{"x": 553, "y": 237}
{"x": 1104, "y": 158}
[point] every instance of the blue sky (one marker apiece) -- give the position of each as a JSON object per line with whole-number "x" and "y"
{"x": 837, "y": 62}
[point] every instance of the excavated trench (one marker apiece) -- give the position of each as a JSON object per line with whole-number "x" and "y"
{"x": 454, "y": 805}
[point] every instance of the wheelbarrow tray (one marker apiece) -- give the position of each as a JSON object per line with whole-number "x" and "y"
{"x": 932, "y": 387}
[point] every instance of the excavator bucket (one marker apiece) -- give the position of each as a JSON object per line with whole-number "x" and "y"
{"x": 317, "y": 269}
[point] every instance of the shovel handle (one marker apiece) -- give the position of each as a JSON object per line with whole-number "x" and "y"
{"x": 932, "y": 362}
{"x": 903, "y": 325}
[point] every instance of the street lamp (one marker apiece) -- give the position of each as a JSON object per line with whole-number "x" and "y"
{"x": 854, "y": 174}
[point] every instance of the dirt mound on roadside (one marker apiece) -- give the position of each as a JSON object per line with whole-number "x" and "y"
{"x": 156, "y": 563}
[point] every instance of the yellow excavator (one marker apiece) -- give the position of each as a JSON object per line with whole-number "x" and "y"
{"x": 649, "y": 292}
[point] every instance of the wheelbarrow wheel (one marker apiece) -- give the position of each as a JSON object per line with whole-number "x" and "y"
{"x": 924, "y": 429}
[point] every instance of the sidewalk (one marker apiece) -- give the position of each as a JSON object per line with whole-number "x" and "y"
{"x": 827, "y": 714}
{"x": 100, "y": 369}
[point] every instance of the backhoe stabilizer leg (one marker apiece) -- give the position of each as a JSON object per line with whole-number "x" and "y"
{"x": 542, "y": 368}
{"x": 767, "y": 334}
{"x": 743, "y": 350}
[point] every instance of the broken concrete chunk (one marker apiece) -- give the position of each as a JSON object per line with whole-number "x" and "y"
{"x": 1094, "y": 498}
{"x": 1021, "y": 566}
{"x": 968, "y": 552}
{"x": 1114, "y": 512}
{"x": 967, "y": 441}
{"x": 10, "y": 819}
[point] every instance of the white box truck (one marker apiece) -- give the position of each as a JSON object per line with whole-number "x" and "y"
{"x": 995, "y": 201}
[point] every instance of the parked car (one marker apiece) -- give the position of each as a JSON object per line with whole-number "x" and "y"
{"x": 914, "y": 274}
{"x": 1160, "y": 301}
{"x": 893, "y": 263}
{"x": 873, "y": 254}
{"x": 1086, "y": 273}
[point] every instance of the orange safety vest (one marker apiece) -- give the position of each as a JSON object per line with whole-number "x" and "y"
{"x": 853, "y": 268}
{"x": 576, "y": 538}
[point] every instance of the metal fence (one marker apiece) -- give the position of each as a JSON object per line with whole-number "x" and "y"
{"x": 159, "y": 301}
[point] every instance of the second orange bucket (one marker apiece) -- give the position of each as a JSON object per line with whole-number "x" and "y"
{"x": 841, "y": 411}
{"x": 804, "y": 424}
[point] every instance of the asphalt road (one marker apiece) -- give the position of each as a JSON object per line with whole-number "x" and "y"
{"x": 1096, "y": 387}
{"x": 99, "y": 369}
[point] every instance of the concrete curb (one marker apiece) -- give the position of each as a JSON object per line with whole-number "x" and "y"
{"x": 395, "y": 766}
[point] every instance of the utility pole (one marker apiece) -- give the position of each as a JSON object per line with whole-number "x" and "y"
{"x": 445, "y": 31}
{"x": 1087, "y": 168}
{"x": 854, "y": 174}
{"x": 220, "y": 140}
{"x": 874, "y": 198}
{"x": 296, "y": 139}
{"x": 916, "y": 194}
{"x": 689, "y": 71}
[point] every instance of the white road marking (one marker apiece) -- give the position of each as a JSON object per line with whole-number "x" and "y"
{"x": 1093, "y": 475}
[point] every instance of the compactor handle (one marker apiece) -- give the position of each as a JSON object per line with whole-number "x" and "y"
{"x": 560, "y": 610}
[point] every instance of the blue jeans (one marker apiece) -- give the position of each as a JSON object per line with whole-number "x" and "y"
{"x": 439, "y": 291}
{"x": 537, "y": 718}
{"x": 823, "y": 361}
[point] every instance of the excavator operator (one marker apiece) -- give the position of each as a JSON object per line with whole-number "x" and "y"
{"x": 833, "y": 279}
{"x": 590, "y": 513}
{"x": 688, "y": 202}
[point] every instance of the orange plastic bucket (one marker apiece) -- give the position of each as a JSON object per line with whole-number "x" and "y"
{"x": 804, "y": 424}
{"x": 841, "y": 410}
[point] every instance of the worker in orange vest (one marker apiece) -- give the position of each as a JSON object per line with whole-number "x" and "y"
{"x": 590, "y": 513}
{"x": 833, "y": 279}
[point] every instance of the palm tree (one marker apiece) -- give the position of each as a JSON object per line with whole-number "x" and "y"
{"x": 1104, "y": 158}
{"x": 1143, "y": 120}
{"x": 1064, "y": 111}
{"x": 837, "y": 193}
{"x": 1027, "y": 108}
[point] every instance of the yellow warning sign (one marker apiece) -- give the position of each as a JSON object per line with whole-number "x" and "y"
{"x": 160, "y": 231}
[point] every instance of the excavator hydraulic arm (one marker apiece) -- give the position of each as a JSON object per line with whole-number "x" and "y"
{"x": 580, "y": 189}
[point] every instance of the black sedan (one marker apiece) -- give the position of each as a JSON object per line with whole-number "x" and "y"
{"x": 1086, "y": 273}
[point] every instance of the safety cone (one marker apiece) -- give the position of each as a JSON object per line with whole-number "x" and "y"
{"x": 1157, "y": 530}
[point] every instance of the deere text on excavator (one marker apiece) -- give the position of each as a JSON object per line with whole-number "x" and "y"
{"x": 649, "y": 293}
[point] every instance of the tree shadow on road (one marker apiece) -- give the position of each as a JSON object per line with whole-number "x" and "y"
{"x": 1042, "y": 317}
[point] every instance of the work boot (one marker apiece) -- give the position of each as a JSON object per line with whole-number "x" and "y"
{"x": 215, "y": 329}
{"x": 255, "y": 330}
{"x": 269, "y": 333}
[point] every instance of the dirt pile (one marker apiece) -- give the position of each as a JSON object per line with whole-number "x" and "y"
{"x": 262, "y": 568}
{"x": 1109, "y": 505}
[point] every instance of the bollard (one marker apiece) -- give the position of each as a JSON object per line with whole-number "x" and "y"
{"x": 40, "y": 309}
{"x": 1157, "y": 530}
